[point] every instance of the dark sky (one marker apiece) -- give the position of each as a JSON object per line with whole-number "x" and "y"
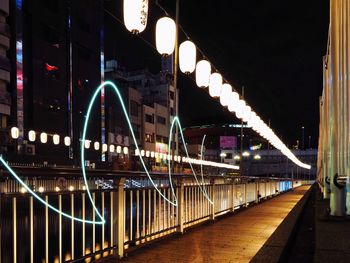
{"x": 272, "y": 48}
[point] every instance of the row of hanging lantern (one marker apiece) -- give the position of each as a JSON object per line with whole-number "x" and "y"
{"x": 183, "y": 159}
{"x": 44, "y": 137}
{"x": 135, "y": 19}
{"x": 56, "y": 139}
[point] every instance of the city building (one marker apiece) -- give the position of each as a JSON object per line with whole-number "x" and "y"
{"x": 5, "y": 97}
{"x": 57, "y": 62}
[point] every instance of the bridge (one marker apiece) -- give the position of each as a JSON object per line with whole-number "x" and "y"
{"x": 136, "y": 215}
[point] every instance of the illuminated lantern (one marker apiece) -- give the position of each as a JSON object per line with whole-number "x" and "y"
{"x": 125, "y": 150}
{"x": 240, "y": 109}
{"x": 233, "y": 101}
{"x": 56, "y": 139}
{"x": 147, "y": 153}
{"x": 226, "y": 90}
{"x": 97, "y": 146}
{"x": 246, "y": 113}
{"x": 104, "y": 147}
{"x": 67, "y": 141}
{"x": 119, "y": 149}
{"x": 215, "y": 85}
{"x": 43, "y": 137}
{"x": 135, "y": 15}
{"x": 165, "y": 36}
{"x": 156, "y": 155}
{"x": 142, "y": 153}
{"x": 31, "y": 136}
{"x": 87, "y": 144}
{"x": 152, "y": 154}
{"x": 14, "y": 133}
{"x": 111, "y": 148}
{"x": 203, "y": 71}
{"x": 187, "y": 57}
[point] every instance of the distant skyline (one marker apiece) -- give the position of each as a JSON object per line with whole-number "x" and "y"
{"x": 274, "y": 49}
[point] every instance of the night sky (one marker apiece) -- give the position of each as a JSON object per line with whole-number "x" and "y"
{"x": 272, "y": 48}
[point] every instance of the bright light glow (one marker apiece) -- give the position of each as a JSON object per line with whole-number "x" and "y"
{"x": 43, "y": 137}
{"x": 56, "y": 139}
{"x": 125, "y": 150}
{"x": 104, "y": 147}
{"x": 215, "y": 84}
{"x": 57, "y": 189}
{"x": 257, "y": 157}
{"x": 41, "y": 189}
{"x": 119, "y": 149}
{"x": 31, "y": 135}
{"x": 246, "y": 154}
{"x": 187, "y": 57}
{"x": 233, "y": 101}
{"x": 147, "y": 153}
{"x": 137, "y": 152}
{"x": 223, "y": 155}
{"x": 111, "y": 148}
{"x": 71, "y": 188}
{"x": 237, "y": 157}
{"x": 67, "y": 141}
{"x": 240, "y": 109}
{"x": 87, "y": 144}
{"x": 142, "y": 153}
{"x": 156, "y": 155}
{"x": 225, "y": 94}
{"x": 23, "y": 190}
{"x": 203, "y": 71}
{"x": 246, "y": 113}
{"x": 165, "y": 36}
{"x": 14, "y": 133}
{"x": 96, "y": 146}
{"x": 135, "y": 15}
{"x": 152, "y": 154}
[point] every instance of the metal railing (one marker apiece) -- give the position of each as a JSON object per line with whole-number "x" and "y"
{"x": 135, "y": 213}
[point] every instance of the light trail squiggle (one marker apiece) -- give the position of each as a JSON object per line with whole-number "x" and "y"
{"x": 202, "y": 147}
{"x": 177, "y": 121}
{"x": 82, "y": 153}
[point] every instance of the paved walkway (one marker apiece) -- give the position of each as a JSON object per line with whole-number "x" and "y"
{"x": 235, "y": 238}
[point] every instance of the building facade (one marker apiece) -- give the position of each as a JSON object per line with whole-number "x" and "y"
{"x": 5, "y": 97}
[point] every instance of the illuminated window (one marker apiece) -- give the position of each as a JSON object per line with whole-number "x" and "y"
{"x": 149, "y": 138}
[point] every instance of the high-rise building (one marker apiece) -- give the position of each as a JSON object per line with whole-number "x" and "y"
{"x": 57, "y": 62}
{"x": 5, "y": 98}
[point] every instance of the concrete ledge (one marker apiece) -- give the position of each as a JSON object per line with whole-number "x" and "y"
{"x": 274, "y": 249}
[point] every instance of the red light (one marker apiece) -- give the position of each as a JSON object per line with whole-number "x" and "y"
{"x": 49, "y": 67}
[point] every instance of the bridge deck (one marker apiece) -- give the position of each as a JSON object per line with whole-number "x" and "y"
{"x": 232, "y": 239}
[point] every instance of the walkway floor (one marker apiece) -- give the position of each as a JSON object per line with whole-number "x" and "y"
{"x": 234, "y": 238}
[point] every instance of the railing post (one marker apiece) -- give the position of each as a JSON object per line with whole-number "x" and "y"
{"x": 212, "y": 197}
{"x": 256, "y": 182}
{"x": 233, "y": 196}
{"x": 245, "y": 194}
{"x": 181, "y": 206}
{"x": 118, "y": 216}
